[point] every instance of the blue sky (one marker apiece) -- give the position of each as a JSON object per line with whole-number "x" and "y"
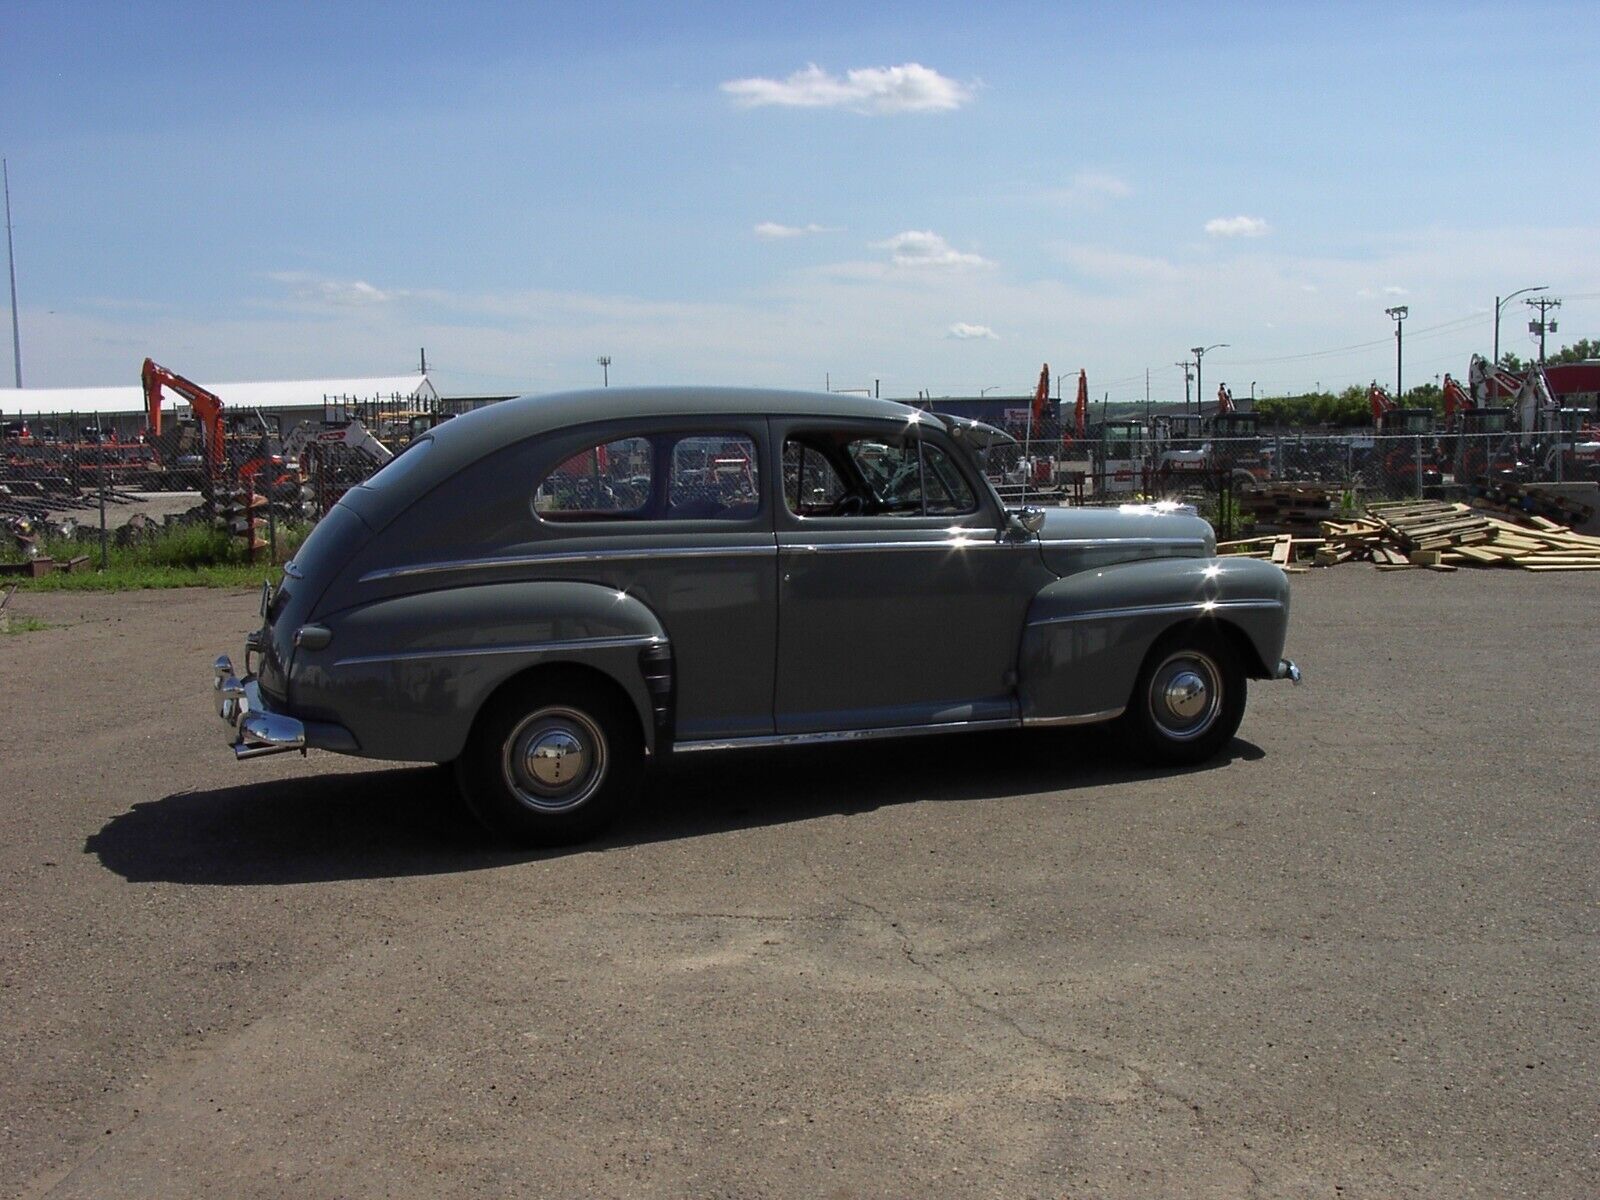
{"x": 938, "y": 197}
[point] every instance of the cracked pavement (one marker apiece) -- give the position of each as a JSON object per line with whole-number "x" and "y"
{"x": 1355, "y": 958}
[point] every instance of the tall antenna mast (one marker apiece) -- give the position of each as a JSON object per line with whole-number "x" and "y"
{"x": 11, "y": 261}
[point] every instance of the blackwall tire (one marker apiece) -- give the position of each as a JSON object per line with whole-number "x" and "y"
{"x": 1187, "y": 701}
{"x": 552, "y": 762}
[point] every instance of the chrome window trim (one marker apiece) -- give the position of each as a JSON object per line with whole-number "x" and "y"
{"x": 1094, "y": 718}
{"x": 593, "y": 643}
{"x": 1150, "y": 610}
{"x": 563, "y": 558}
{"x": 762, "y": 741}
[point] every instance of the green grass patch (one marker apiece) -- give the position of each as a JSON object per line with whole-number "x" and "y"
{"x": 135, "y": 577}
{"x": 24, "y": 625}
{"x": 177, "y": 556}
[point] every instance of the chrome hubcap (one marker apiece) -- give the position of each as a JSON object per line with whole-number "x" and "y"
{"x": 554, "y": 760}
{"x": 1186, "y": 695}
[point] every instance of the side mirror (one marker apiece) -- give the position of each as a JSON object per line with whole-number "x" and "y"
{"x": 1029, "y": 519}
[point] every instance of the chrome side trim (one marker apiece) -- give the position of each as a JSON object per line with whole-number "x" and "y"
{"x": 1150, "y": 610}
{"x": 1187, "y": 543}
{"x": 987, "y": 542}
{"x": 1110, "y": 714}
{"x": 766, "y": 740}
{"x": 564, "y": 558}
{"x": 594, "y": 643}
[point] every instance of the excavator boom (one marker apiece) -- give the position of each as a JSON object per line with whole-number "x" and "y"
{"x": 207, "y": 408}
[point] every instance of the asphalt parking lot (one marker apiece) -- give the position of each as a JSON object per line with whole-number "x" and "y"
{"x": 1355, "y": 958}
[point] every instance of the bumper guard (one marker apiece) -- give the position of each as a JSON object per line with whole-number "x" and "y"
{"x": 255, "y": 730}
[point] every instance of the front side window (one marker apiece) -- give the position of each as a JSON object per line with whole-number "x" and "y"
{"x": 850, "y": 475}
{"x": 811, "y": 485}
{"x": 603, "y": 483}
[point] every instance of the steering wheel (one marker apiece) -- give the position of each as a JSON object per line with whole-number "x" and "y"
{"x": 848, "y": 505}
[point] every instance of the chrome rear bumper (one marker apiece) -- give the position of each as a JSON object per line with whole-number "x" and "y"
{"x": 1287, "y": 670}
{"x": 255, "y": 730}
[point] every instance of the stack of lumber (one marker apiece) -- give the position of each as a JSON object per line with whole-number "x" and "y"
{"x": 1431, "y": 535}
{"x": 1286, "y": 507}
{"x": 1507, "y": 496}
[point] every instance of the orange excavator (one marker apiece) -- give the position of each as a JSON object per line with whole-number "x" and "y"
{"x": 207, "y": 411}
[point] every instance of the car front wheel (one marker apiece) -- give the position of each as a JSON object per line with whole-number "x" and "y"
{"x": 1188, "y": 700}
{"x": 551, "y": 762}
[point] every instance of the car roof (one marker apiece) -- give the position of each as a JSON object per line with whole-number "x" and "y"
{"x": 526, "y": 416}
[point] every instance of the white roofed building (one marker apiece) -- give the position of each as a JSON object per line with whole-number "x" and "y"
{"x": 290, "y": 400}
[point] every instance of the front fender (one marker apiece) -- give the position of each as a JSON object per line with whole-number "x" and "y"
{"x": 408, "y": 674}
{"x": 1087, "y": 635}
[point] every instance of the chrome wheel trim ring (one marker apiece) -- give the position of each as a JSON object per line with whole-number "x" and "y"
{"x": 554, "y": 759}
{"x": 1185, "y": 695}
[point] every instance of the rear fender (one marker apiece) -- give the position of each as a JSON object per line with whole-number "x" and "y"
{"x": 1087, "y": 635}
{"x": 408, "y": 674}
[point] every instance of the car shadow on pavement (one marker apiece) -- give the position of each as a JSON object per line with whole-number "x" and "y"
{"x": 407, "y": 820}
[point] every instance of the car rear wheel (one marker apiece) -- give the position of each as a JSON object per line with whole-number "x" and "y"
{"x": 1188, "y": 700}
{"x": 551, "y": 762}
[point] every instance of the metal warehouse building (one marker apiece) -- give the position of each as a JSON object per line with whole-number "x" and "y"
{"x": 121, "y": 410}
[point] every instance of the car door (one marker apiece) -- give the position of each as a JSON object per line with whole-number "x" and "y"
{"x": 899, "y": 604}
{"x": 672, "y": 513}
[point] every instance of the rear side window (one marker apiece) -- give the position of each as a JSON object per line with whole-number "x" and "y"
{"x": 713, "y": 479}
{"x": 602, "y": 483}
{"x": 663, "y": 477}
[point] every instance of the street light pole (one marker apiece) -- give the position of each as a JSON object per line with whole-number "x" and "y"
{"x": 1398, "y": 314}
{"x": 1500, "y": 304}
{"x": 1200, "y": 353}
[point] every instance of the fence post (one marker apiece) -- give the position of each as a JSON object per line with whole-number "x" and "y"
{"x": 105, "y": 554}
{"x": 1418, "y": 449}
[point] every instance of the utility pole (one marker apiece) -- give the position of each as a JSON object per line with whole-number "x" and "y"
{"x": 605, "y": 370}
{"x": 1542, "y": 326}
{"x": 1188, "y": 377}
{"x": 11, "y": 262}
{"x": 422, "y": 368}
{"x": 1199, "y": 353}
{"x": 1398, "y": 315}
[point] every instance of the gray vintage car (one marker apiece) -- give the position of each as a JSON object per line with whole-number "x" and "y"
{"x": 555, "y": 591}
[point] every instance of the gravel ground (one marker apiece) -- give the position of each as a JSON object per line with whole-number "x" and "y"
{"x": 1356, "y": 958}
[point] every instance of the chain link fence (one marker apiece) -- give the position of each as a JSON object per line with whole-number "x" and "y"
{"x": 75, "y": 489}
{"x": 1354, "y": 468}
{"x": 85, "y": 488}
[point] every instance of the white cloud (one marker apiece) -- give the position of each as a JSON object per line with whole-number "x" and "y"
{"x": 910, "y": 87}
{"x": 961, "y": 331}
{"x": 1237, "y": 227}
{"x": 1088, "y": 188}
{"x": 344, "y": 293}
{"x": 1393, "y": 290}
{"x": 923, "y": 248}
{"x": 773, "y": 231}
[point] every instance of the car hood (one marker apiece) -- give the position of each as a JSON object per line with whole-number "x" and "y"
{"x": 1075, "y": 539}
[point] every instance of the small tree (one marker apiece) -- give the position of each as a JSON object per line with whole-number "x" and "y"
{"x": 1580, "y": 351}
